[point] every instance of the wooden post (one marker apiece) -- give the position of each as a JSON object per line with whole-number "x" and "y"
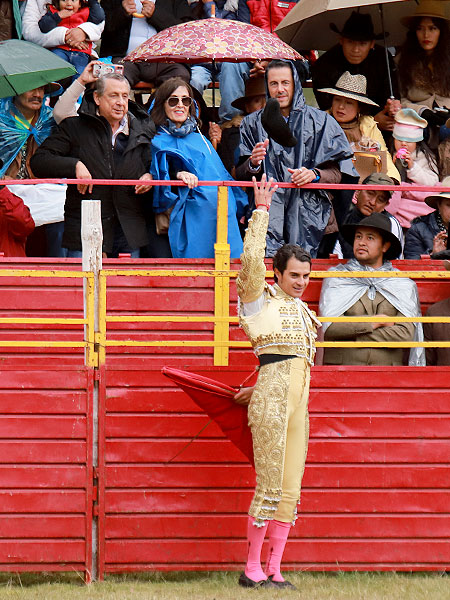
{"x": 92, "y": 241}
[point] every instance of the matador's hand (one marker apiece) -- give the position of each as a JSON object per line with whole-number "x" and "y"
{"x": 264, "y": 192}
{"x": 244, "y": 396}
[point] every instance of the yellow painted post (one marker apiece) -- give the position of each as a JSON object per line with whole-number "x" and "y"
{"x": 91, "y": 353}
{"x": 222, "y": 283}
{"x": 101, "y": 335}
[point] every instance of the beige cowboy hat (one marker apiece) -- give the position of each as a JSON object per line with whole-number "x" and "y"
{"x": 433, "y": 200}
{"x": 427, "y": 8}
{"x": 351, "y": 86}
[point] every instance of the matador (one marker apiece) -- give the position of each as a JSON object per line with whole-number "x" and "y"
{"x": 282, "y": 331}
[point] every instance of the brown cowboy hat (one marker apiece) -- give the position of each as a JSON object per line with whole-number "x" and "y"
{"x": 254, "y": 86}
{"x": 434, "y": 9}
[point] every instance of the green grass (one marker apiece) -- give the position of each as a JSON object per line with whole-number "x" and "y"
{"x": 223, "y": 586}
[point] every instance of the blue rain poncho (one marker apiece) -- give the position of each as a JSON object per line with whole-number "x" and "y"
{"x": 193, "y": 221}
{"x": 15, "y": 130}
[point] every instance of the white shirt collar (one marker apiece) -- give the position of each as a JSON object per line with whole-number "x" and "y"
{"x": 123, "y": 128}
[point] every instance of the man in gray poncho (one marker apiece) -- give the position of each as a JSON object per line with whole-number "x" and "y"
{"x": 319, "y": 152}
{"x": 374, "y": 245}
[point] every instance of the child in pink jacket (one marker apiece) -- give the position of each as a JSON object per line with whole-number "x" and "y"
{"x": 417, "y": 166}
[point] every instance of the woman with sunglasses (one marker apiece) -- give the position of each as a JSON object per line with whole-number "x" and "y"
{"x": 180, "y": 151}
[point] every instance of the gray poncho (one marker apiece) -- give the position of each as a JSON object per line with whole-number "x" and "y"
{"x": 299, "y": 216}
{"x": 339, "y": 294}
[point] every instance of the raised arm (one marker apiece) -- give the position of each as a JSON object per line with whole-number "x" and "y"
{"x": 252, "y": 276}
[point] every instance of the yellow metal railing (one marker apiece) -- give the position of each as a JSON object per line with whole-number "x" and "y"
{"x": 222, "y": 320}
{"x": 221, "y": 342}
{"x": 97, "y": 342}
{"x": 91, "y": 357}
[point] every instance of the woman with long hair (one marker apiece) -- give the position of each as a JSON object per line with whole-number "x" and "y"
{"x": 180, "y": 151}
{"x": 424, "y": 74}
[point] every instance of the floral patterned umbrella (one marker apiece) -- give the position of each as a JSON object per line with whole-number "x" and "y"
{"x": 220, "y": 40}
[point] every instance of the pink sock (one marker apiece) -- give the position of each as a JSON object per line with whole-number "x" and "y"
{"x": 255, "y": 539}
{"x": 278, "y": 535}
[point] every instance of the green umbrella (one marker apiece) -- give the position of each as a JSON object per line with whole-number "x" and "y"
{"x": 25, "y": 66}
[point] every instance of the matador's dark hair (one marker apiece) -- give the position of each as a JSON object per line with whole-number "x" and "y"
{"x": 286, "y": 252}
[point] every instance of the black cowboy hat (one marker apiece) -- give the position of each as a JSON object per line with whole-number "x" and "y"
{"x": 358, "y": 27}
{"x": 375, "y": 221}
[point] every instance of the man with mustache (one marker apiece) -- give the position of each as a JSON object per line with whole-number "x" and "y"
{"x": 25, "y": 122}
{"x": 368, "y": 202}
{"x": 29, "y": 115}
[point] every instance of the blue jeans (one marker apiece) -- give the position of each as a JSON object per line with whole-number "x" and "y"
{"x": 79, "y": 254}
{"x": 232, "y": 80}
{"x": 77, "y": 59}
{"x": 201, "y": 76}
{"x": 74, "y": 253}
{"x": 54, "y": 234}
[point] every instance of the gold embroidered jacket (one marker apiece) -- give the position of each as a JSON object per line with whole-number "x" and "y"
{"x": 284, "y": 325}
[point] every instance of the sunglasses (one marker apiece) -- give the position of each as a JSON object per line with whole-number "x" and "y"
{"x": 174, "y": 101}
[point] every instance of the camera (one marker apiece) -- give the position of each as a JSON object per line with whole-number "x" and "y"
{"x": 100, "y": 69}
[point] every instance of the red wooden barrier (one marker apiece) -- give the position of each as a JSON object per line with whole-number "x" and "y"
{"x": 376, "y": 490}
{"x": 46, "y": 491}
{"x": 375, "y": 496}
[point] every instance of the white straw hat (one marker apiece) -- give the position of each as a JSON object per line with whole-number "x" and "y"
{"x": 351, "y": 86}
{"x": 434, "y": 199}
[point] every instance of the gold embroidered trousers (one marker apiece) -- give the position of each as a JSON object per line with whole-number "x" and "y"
{"x": 279, "y": 421}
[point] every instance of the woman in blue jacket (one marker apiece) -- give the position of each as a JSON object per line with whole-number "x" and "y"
{"x": 180, "y": 151}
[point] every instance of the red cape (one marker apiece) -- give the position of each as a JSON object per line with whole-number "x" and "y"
{"x": 216, "y": 399}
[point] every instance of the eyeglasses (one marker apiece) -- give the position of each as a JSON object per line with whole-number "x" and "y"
{"x": 174, "y": 101}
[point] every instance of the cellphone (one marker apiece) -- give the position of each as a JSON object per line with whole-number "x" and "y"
{"x": 101, "y": 69}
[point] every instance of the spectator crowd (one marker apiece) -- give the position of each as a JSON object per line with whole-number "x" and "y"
{"x": 379, "y": 121}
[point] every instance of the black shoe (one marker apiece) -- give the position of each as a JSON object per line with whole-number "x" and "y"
{"x": 275, "y": 125}
{"x": 282, "y": 584}
{"x": 245, "y": 581}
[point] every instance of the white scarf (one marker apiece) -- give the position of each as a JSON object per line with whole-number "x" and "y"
{"x": 339, "y": 294}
